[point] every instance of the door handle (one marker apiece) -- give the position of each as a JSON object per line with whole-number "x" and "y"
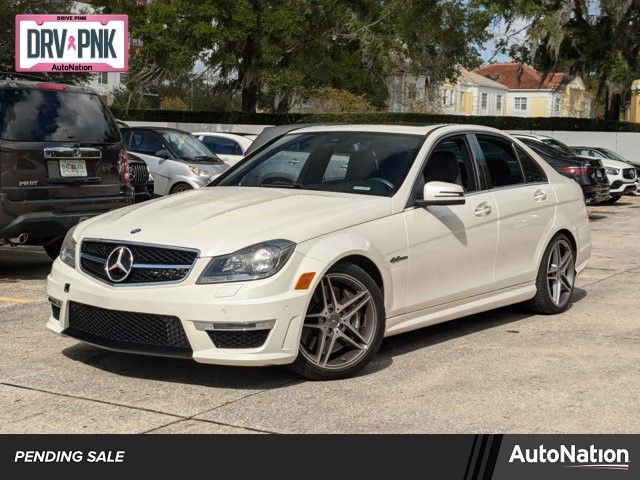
{"x": 539, "y": 196}
{"x": 293, "y": 162}
{"x": 483, "y": 210}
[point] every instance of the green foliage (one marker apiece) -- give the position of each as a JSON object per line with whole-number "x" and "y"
{"x": 333, "y": 100}
{"x": 274, "y": 53}
{"x": 503, "y": 123}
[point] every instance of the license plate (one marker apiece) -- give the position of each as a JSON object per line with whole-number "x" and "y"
{"x": 73, "y": 168}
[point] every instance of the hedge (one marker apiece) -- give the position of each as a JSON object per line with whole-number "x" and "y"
{"x": 503, "y": 123}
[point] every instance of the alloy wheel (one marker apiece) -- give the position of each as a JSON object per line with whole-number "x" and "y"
{"x": 340, "y": 324}
{"x": 561, "y": 273}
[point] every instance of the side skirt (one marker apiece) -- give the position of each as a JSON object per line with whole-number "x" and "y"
{"x": 461, "y": 308}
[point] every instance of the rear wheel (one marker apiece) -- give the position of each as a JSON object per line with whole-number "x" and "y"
{"x": 343, "y": 327}
{"x": 556, "y": 277}
{"x": 612, "y": 199}
{"x": 181, "y": 187}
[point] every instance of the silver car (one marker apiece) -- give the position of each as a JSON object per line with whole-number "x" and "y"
{"x": 177, "y": 160}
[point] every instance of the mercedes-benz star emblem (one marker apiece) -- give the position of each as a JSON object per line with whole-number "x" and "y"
{"x": 119, "y": 264}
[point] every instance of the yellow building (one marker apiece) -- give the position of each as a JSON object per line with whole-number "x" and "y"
{"x": 473, "y": 94}
{"x": 533, "y": 94}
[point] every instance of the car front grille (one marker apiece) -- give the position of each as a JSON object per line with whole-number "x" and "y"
{"x": 238, "y": 339}
{"x": 629, "y": 173}
{"x": 138, "y": 332}
{"x": 139, "y": 173}
{"x": 151, "y": 264}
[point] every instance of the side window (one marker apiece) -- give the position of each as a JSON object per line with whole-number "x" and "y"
{"x": 502, "y": 163}
{"x": 222, "y": 146}
{"x": 451, "y": 162}
{"x": 145, "y": 141}
{"x": 532, "y": 171}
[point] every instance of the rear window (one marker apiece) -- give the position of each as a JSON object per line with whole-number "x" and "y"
{"x": 30, "y": 115}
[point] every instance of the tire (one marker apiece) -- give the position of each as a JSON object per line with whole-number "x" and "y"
{"x": 180, "y": 187}
{"x": 53, "y": 248}
{"x": 547, "y": 301}
{"x": 612, "y": 199}
{"x": 333, "y": 345}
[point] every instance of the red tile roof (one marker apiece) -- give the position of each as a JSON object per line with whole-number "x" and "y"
{"x": 518, "y": 76}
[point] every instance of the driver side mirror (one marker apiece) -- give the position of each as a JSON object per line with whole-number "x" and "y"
{"x": 441, "y": 193}
{"x": 164, "y": 153}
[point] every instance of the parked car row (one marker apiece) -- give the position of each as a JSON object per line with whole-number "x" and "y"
{"x": 623, "y": 176}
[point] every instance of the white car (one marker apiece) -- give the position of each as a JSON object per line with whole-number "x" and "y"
{"x": 177, "y": 160}
{"x": 230, "y": 147}
{"x": 424, "y": 225}
{"x": 620, "y": 171}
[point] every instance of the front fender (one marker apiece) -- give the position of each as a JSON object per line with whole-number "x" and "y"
{"x": 331, "y": 249}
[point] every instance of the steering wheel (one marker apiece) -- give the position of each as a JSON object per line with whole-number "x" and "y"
{"x": 383, "y": 181}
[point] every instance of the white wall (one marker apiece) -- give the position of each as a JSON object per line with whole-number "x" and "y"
{"x": 203, "y": 127}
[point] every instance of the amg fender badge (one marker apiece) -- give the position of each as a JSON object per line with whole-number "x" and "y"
{"x": 397, "y": 259}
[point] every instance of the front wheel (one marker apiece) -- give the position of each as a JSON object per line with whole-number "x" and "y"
{"x": 181, "y": 187}
{"x": 612, "y": 199}
{"x": 343, "y": 326}
{"x": 556, "y": 277}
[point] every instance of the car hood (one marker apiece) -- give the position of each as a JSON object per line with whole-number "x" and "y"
{"x": 219, "y": 220}
{"x": 607, "y": 162}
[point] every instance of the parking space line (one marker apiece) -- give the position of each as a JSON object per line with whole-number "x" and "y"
{"x": 17, "y": 301}
{"x": 179, "y": 418}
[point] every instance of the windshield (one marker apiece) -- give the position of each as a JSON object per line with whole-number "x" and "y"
{"x": 351, "y": 162}
{"x": 561, "y": 147}
{"x": 613, "y": 155}
{"x": 32, "y": 115}
{"x": 188, "y": 147}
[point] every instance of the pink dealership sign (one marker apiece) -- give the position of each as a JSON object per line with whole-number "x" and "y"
{"x": 72, "y": 43}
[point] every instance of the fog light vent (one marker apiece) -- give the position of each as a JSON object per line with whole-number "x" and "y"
{"x": 238, "y": 339}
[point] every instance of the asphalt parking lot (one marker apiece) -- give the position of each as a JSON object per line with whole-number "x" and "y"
{"x": 504, "y": 371}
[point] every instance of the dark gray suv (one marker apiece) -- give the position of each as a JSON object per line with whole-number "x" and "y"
{"x": 61, "y": 161}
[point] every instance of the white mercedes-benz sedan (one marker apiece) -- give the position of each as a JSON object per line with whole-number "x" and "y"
{"x": 318, "y": 245}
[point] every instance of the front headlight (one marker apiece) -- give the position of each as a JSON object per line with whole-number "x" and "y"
{"x": 612, "y": 171}
{"x": 252, "y": 263}
{"x": 68, "y": 249}
{"x": 199, "y": 172}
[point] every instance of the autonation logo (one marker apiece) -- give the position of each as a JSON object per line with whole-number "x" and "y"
{"x": 574, "y": 457}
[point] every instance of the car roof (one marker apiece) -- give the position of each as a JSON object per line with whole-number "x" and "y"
{"x": 532, "y": 136}
{"x": 270, "y": 133}
{"x": 239, "y": 136}
{"x": 154, "y": 129}
{"x": 396, "y": 128}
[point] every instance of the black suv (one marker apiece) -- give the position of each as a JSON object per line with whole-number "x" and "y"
{"x": 61, "y": 161}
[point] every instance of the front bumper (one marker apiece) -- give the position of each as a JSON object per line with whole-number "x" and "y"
{"x": 198, "y": 308}
{"x": 619, "y": 187}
